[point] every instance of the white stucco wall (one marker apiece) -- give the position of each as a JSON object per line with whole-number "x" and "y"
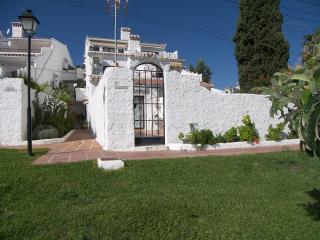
{"x": 13, "y": 107}
{"x": 96, "y": 111}
{"x": 110, "y": 109}
{"x": 110, "y": 106}
{"x": 80, "y": 94}
{"x": 119, "y": 105}
{"x": 187, "y": 102}
{"x": 48, "y": 65}
{"x": 51, "y": 62}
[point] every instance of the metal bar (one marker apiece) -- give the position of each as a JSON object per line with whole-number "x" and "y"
{"x": 29, "y": 123}
{"x": 145, "y": 96}
{"x": 163, "y": 105}
{"x": 151, "y": 106}
{"x": 139, "y": 104}
{"x": 158, "y": 105}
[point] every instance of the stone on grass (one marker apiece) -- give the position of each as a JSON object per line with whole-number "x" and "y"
{"x": 110, "y": 164}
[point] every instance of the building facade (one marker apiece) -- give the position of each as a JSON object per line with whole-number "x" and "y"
{"x": 50, "y": 59}
{"x": 149, "y": 99}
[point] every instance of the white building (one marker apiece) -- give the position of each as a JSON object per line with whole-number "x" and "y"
{"x": 149, "y": 99}
{"x": 100, "y": 53}
{"x": 50, "y": 59}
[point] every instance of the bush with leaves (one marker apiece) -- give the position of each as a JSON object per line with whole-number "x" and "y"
{"x": 275, "y": 133}
{"x": 54, "y": 110}
{"x": 219, "y": 138}
{"x": 200, "y": 138}
{"x": 248, "y": 131}
{"x": 45, "y": 132}
{"x": 231, "y": 135}
{"x": 295, "y": 94}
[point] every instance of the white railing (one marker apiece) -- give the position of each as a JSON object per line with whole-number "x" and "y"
{"x": 12, "y": 50}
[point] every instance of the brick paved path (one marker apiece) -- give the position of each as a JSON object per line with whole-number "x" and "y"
{"x": 81, "y": 146}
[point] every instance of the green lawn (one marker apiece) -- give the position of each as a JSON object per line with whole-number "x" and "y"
{"x": 268, "y": 196}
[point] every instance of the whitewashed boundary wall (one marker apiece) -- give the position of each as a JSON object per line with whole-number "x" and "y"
{"x": 187, "y": 102}
{"x": 110, "y": 109}
{"x": 13, "y": 111}
{"x": 96, "y": 111}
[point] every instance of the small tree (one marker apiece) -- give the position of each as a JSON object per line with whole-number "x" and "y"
{"x": 203, "y": 69}
{"x": 191, "y": 68}
{"x": 260, "y": 47}
{"x": 295, "y": 95}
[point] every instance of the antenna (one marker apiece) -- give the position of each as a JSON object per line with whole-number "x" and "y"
{"x": 113, "y": 7}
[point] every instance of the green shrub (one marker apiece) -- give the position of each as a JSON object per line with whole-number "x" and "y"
{"x": 181, "y": 136}
{"x": 275, "y": 133}
{"x": 219, "y": 138}
{"x": 310, "y": 63}
{"x": 199, "y": 138}
{"x": 206, "y": 137}
{"x": 45, "y": 132}
{"x": 194, "y": 136}
{"x": 292, "y": 134}
{"x": 231, "y": 135}
{"x": 54, "y": 112}
{"x": 248, "y": 131}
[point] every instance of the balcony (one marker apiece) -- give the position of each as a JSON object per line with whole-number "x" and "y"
{"x": 97, "y": 71}
{"x": 13, "y": 50}
{"x": 94, "y": 48}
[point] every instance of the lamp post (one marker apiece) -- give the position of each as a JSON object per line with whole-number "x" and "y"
{"x": 29, "y": 26}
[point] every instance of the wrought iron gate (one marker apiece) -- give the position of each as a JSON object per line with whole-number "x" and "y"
{"x": 148, "y": 104}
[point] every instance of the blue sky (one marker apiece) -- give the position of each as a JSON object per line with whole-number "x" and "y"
{"x": 176, "y": 23}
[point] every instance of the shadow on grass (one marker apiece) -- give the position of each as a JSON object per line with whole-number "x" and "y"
{"x": 313, "y": 207}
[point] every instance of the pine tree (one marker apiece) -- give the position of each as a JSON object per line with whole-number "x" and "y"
{"x": 261, "y": 49}
{"x": 191, "y": 68}
{"x": 202, "y": 68}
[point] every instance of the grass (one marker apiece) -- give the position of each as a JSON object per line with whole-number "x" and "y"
{"x": 268, "y": 196}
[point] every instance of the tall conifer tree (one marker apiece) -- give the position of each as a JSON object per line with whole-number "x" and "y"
{"x": 260, "y": 47}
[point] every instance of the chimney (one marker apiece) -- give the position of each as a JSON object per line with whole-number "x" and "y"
{"x": 125, "y": 33}
{"x": 134, "y": 43}
{"x": 16, "y": 30}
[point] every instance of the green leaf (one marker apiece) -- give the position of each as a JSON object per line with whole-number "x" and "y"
{"x": 305, "y": 96}
{"x": 300, "y": 77}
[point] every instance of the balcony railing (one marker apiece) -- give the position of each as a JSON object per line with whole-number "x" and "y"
{"x": 97, "y": 71}
{"x": 19, "y": 50}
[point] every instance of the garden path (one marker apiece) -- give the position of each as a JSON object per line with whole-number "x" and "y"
{"x": 80, "y": 146}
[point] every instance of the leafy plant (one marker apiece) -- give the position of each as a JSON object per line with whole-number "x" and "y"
{"x": 33, "y": 84}
{"x": 275, "y": 133}
{"x": 219, "y": 138}
{"x": 231, "y": 135}
{"x": 248, "y": 131}
{"x": 181, "y": 136}
{"x": 198, "y": 138}
{"x": 296, "y": 96}
{"x": 206, "y": 137}
{"x": 45, "y": 132}
{"x": 54, "y": 110}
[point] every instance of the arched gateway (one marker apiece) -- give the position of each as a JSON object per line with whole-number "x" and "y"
{"x": 148, "y": 104}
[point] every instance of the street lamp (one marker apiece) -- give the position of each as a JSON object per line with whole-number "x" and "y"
{"x": 29, "y": 26}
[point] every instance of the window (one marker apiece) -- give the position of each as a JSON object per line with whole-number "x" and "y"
{"x": 120, "y": 50}
{"x": 94, "y": 48}
{"x": 108, "y": 49}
